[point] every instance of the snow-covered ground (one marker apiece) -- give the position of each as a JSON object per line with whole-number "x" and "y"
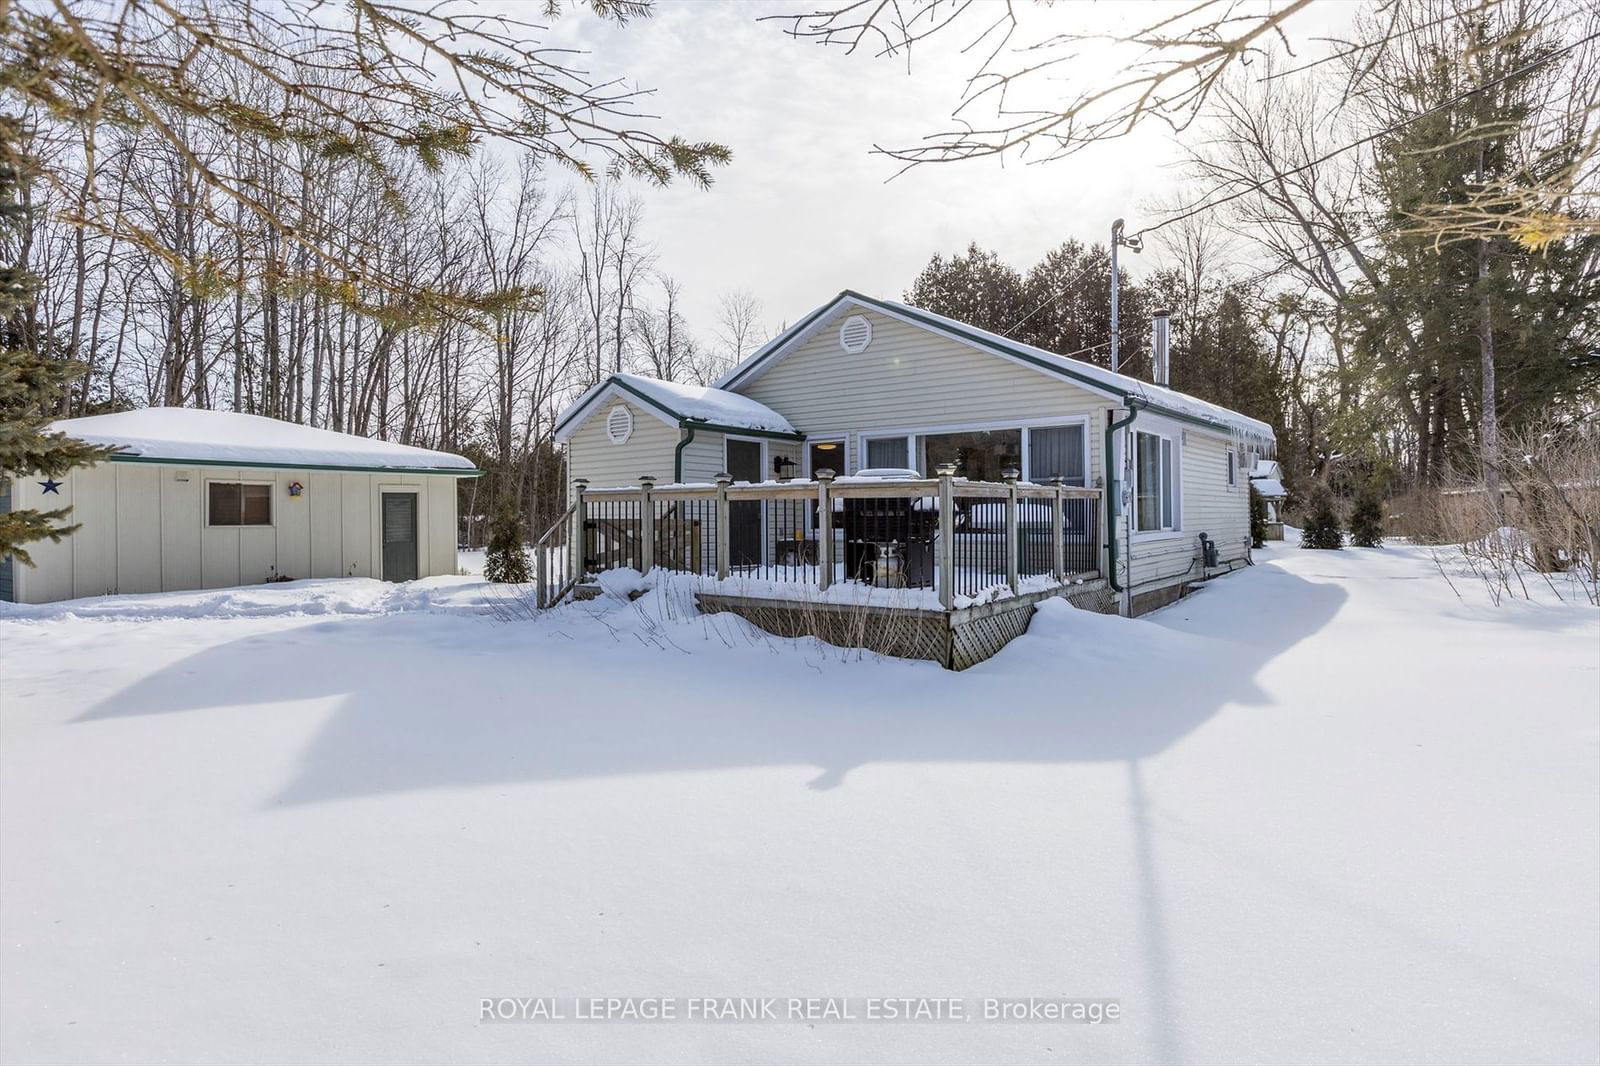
{"x": 1323, "y": 811}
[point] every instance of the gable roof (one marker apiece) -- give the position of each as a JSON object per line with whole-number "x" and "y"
{"x": 193, "y": 436}
{"x": 1098, "y": 379}
{"x": 676, "y": 404}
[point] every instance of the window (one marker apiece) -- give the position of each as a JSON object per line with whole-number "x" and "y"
{"x": 1155, "y": 489}
{"x": 978, "y": 456}
{"x": 1233, "y": 469}
{"x": 232, "y": 503}
{"x": 892, "y": 452}
{"x": 1058, "y": 451}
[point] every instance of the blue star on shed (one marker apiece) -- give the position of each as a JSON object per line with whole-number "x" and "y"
{"x": 50, "y": 484}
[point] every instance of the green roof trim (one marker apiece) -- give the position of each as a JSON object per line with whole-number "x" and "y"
{"x": 451, "y": 471}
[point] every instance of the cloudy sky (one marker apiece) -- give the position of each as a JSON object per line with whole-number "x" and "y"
{"x": 806, "y": 208}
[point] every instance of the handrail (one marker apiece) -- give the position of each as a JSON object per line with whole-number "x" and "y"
{"x": 541, "y": 553}
{"x": 986, "y": 530}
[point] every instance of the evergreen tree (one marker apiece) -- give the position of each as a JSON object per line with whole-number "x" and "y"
{"x": 506, "y": 560}
{"x": 977, "y": 288}
{"x": 1068, "y": 297}
{"x": 1258, "y": 518}
{"x": 33, "y": 377}
{"x": 1322, "y": 528}
{"x": 1366, "y": 521}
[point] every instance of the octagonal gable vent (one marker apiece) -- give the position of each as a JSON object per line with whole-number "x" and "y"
{"x": 855, "y": 334}
{"x": 619, "y": 424}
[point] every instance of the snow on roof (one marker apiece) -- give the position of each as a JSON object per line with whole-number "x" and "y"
{"x": 1266, "y": 468}
{"x": 1270, "y": 487}
{"x": 698, "y": 403}
{"x": 709, "y": 404}
{"x": 1159, "y": 398}
{"x": 186, "y": 434}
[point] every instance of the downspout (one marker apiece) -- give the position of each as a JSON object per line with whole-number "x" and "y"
{"x": 1114, "y": 490}
{"x": 677, "y": 455}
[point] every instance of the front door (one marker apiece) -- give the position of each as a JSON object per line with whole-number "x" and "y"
{"x": 399, "y": 536}
{"x": 744, "y": 516}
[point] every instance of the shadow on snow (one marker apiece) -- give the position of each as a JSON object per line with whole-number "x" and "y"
{"x": 433, "y": 701}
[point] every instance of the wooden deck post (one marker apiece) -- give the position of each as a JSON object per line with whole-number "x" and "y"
{"x": 824, "y": 529}
{"x": 1010, "y": 475}
{"x": 723, "y": 481}
{"x": 1058, "y": 530}
{"x": 578, "y": 541}
{"x": 647, "y": 525}
{"x": 946, "y": 560}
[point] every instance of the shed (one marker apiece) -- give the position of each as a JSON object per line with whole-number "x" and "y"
{"x": 1266, "y": 477}
{"x": 197, "y": 499}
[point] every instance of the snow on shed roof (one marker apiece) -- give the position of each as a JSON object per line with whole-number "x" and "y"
{"x": 1156, "y": 397}
{"x": 676, "y": 402}
{"x": 227, "y": 438}
{"x": 1269, "y": 487}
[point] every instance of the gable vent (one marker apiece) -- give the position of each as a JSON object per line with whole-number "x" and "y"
{"x": 619, "y": 424}
{"x": 855, "y": 334}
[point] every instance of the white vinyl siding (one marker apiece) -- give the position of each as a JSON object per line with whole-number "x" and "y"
{"x": 648, "y": 451}
{"x": 145, "y": 529}
{"x": 1207, "y": 506}
{"x": 910, "y": 379}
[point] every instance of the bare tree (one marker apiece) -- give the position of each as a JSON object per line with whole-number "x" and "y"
{"x": 372, "y": 82}
{"x": 739, "y": 323}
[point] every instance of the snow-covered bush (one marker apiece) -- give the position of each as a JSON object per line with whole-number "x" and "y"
{"x": 1322, "y": 528}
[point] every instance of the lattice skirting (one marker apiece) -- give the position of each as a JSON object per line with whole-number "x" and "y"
{"x": 973, "y": 641}
{"x": 956, "y": 640}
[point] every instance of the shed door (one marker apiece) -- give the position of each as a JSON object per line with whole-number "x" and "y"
{"x": 399, "y": 536}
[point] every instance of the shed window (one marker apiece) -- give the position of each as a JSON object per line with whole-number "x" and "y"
{"x": 1155, "y": 489}
{"x": 233, "y": 503}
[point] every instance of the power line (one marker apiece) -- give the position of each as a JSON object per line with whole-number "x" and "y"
{"x": 1051, "y": 299}
{"x": 1259, "y": 185}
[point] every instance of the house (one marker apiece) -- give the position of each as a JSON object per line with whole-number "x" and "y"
{"x": 1266, "y": 476}
{"x": 197, "y": 499}
{"x": 864, "y": 383}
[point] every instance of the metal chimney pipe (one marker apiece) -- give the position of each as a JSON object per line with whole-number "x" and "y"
{"x": 1160, "y": 354}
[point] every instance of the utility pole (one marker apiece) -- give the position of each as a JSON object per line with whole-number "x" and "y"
{"x": 1134, "y": 244}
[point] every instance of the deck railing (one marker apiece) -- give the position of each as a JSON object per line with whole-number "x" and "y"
{"x": 961, "y": 538}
